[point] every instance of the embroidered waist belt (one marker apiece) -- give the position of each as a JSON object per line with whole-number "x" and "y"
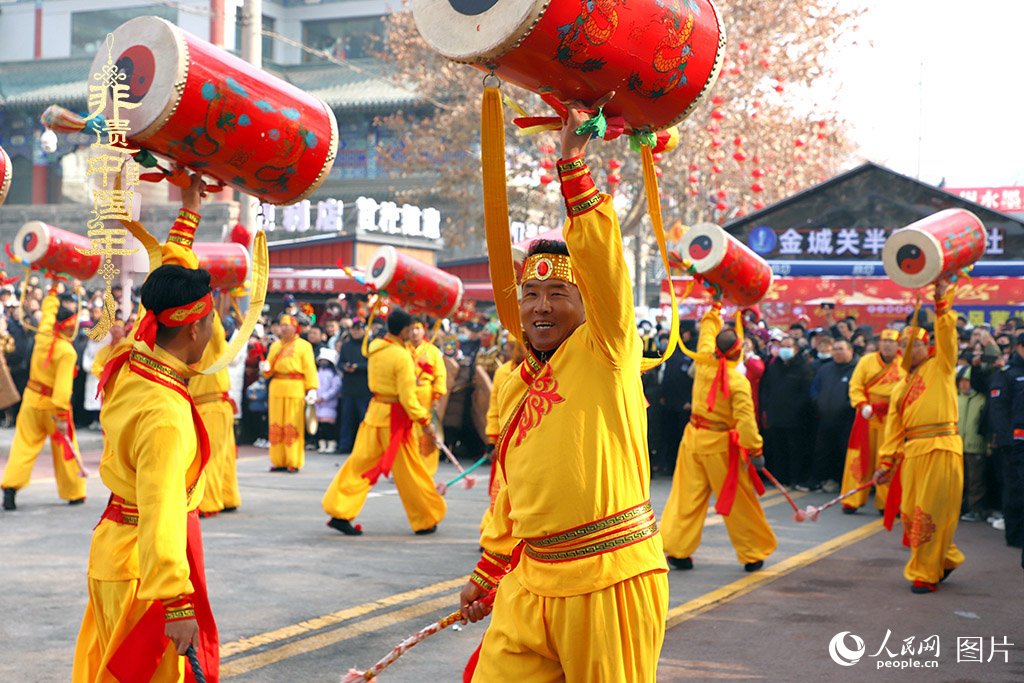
{"x": 605, "y": 535}
{"x": 212, "y": 398}
{"x": 701, "y": 422}
{"x": 385, "y": 398}
{"x": 930, "y": 430}
{"x": 121, "y": 511}
{"x": 39, "y": 388}
{"x": 289, "y": 375}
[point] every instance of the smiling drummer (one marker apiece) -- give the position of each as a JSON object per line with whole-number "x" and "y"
{"x": 573, "y": 540}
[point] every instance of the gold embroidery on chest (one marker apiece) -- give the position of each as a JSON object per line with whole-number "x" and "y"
{"x": 542, "y": 396}
{"x": 917, "y": 388}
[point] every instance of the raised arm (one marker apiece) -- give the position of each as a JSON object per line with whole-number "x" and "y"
{"x": 945, "y": 328}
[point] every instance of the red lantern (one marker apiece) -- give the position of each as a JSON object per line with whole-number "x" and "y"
{"x": 546, "y": 149}
{"x": 756, "y": 160}
{"x": 800, "y": 156}
{"x": 717, "y": 114}
{"x": 716, "y": 142}
{"x": 739, "y": 156}
{"x": 721, "y": 206}
{"x": 657, "y": 158}
{"x": 765, "y": 64}
{"x": 740, "y": 214}
{"x": 658, "y": 171}
{"x": 757, "y": 187}
{"x": 721, "y": 194}
{"x": 547, "y": 164}
{"x": 614, "y": 178}
{"x": 614, "y": 164}
{"x": 694, "y": 167}
{"x": 735, "y": 71}
{"x": 717, "y": 169}
{"x": 718, "y": 100}
{"x": 758, "y": 206}
{"x": 693, "y": 179}
{"x": 778, "y": 87}
{"x": 757, "y": 173}
{"x": 744, "y": 45}
{"x": 712, "y": 128}
{"x": 739, "y": 140}
{"x": 799, "y": 142}
{"x": 546, "y": 179}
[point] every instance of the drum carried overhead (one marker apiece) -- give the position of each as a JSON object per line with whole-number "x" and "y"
{"x": 660, "y": 56}
{"x": 44, "y": 246}
{"x": 417, "y": 286}
{"x": 6, "y": 171}
{"x": 228, "y": 263}
{"x": 722, "y": 260}
{"x": 215, "y": 113}
{"x": 941, "y": 244}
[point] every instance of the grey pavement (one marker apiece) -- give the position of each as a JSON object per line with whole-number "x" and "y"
{"x": 296, "y": 601}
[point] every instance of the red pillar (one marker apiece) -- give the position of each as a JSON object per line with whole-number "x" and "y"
{"x": 217, "y": 23}
{"x": 40, "y": 183}
{"x": 39, "y": 30}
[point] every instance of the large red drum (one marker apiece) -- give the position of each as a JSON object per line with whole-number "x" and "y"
{"x": 56, "y": 250}
{"x": 722, "y": 260}
{"x": 938, "y": 245}
{"x": 6, "y": 171}
{"x": 215, "y": 113}
{"x": 229, "y": 263}
{"x": 416, "y": 286}
{"x": 660, "y": 56}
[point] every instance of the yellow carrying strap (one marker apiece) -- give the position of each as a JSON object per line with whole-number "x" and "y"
{"x": 654, "y": 210}
{"x": 912, "y": 334}
{"x": 499, "y": 240}
{"x": 374, "y": 307}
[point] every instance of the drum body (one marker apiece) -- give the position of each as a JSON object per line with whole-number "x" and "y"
{"x": 6, "y": 172}
{"x": 215, "y": 113}
{"x": 414, "y": 285}
{"x": 228, "y": 263}
{"x": 56, "y": 250}
{"x": 661, "y": 57}
{"x": 938, "y": 245}
{"x": 722, "y": 260}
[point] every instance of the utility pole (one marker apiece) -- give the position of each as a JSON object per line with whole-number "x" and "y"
{"x": 252, "y": 52}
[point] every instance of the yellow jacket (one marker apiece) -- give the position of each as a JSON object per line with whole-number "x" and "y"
{"x": 431, "y": 384}
{"x": 736, "y": 412}
{"x": 58, "y": 375}
{"x": 923, "y": 409}
{"x": 493, "y": 423}
{"x": 392, "y": 379}
{"x": 578, "y": 454}
{"x": 295, "y": 357}
{"x": 100, "y": 361}
{"x": 218, "y": 383}
{"x": 883, "y": 378}
{"x": 150, "y": 458}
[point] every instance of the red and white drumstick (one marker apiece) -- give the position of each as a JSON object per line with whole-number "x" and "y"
{"x": 798, "y": 514}
{"x": 356, "y": 676}
{"x": 467, "y": 483}
{"x": 813, "y": 512}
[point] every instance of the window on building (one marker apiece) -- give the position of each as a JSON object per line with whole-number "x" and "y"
{"x": 343, "y": 38}
{"x": 268, "y": 42}
{"x": 89, "y": 29}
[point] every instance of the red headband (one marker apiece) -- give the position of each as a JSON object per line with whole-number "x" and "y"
{"x": 290, "y": 320}
{"x": 173, "y": 317}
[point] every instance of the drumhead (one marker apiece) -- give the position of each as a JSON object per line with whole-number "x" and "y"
{"x": 476, "y": 31}
{"x": 382, "y": 267}
{"x": 705, "y": 245}
{"x": 154, "y": 57}
{"x": 912, "y": 258}
{"x": 32, "y": 241}
{"x": 6, "y": 173}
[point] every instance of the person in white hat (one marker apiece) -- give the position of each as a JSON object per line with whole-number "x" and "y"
{"x": 327, "y": 400}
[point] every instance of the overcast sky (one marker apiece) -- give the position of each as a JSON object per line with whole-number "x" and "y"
{"x": 949, "y": 71}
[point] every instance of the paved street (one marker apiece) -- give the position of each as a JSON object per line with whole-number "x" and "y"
{"x": 295, "y": 601}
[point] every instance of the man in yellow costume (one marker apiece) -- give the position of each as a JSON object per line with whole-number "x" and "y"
{"x": 431, "y": 385}
{"x": 583, "y": 591}
{"x": 516, "y": 354}
{"x": 147, "y": 594}
{"x": 711, "y": 456}
{"x": 385, "y": 443}
{"x": 871, "y": 386}
{"x": 922, "y": 424}
{"x": 291, "y": 369}
{"x": 46, "y": 409}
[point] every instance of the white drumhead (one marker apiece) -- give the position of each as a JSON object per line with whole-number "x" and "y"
{"x": 458, "y": 301}
{"x": 32, "y": 241}
{"x": 382, "y": 266}
{"x": 476, "y": 31}
{"x": 152, "y": 53}
{"x": 705, "y": 245}
{"x": 914, "y": 250}
{"x": 6, "y": 173}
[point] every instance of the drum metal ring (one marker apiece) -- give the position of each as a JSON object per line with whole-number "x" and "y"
{"x": 492, "y": 80}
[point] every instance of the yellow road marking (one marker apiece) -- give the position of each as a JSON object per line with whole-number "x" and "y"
{"x": 688, "y": 610}
{"x": 298, "y": 647}
{"x": 238, "y": 646}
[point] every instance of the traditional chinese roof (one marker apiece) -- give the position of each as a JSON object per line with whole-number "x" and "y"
{"x": 855, "y": 210}
{"x": 43, "y": 82}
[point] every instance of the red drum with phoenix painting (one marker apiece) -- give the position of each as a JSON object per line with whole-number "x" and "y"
{"x": 727, "y": 264}
{"x": 43, "y": 246}
{"x": 414, "y": 285}
{"x": 661, "y": 57}
{"x": 938, "y": 245}
{"x": 228, "y": 263}
{"x": 6, "y": 171}
{"x": 206, "y": 109}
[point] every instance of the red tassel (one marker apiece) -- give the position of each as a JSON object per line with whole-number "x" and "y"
{"x": 239, "y": 235}
{"x": 147, "y": 329}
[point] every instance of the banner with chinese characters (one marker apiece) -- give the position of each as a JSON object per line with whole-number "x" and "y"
{"x": 1005, "y": 199}
{"x": 873, "y": 301}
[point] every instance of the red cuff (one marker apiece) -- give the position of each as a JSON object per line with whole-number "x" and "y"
{"x": 578, "y": 189}
{"x": 183, "y": 231}
{"x": 490, "y": 570}
{"x": 178, "y": 609}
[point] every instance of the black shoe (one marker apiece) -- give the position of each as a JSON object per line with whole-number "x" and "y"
{"x": 278, "y": 469}
{"x": 945, "y": 574}
{"x": 77, "y": 501}
{"x": 231, "y": 509}
{"x": 344, "y": 526}
{"x": 425, "y": 532}
{"x": 849, "y": 510}
{"x": 9, "y": 499}
{"x": 753, "y": 566}
{"x": 923, "y": 587}
{"x": 291, "y": 470}
{"x": 881, "y": 513}
{"x": 681, "y": 562}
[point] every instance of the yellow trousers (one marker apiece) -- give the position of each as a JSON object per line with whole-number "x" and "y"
{"x": 852, "y": 480}
{"x": 287, "y": 432}
{"x": 112, "y": 612}
{"x": 346, "y": 495}
{"x": 612, "y": 635}
{"x": 933, "y": 485}
{"x": 33, "y": 428}
{"x": 221, "y": 471}
{"x": 697, "y": 476}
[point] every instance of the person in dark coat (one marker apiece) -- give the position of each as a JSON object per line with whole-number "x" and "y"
{"x": 355, "y": 391}
{"x": 786, "y": 412}
{"x": 830, "y": 393}
{"x": 670, "y": 396}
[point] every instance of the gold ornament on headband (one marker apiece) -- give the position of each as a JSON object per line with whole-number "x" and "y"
{"x": 891, "y": 335}
{"x": 547, "y": 266}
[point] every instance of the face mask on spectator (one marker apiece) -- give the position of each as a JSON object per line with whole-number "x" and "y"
{"x": 786, "y": 353}
{"x": 822, "y": 356}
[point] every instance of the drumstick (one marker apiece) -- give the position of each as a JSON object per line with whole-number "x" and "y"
{"x": 798, "y": 514}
